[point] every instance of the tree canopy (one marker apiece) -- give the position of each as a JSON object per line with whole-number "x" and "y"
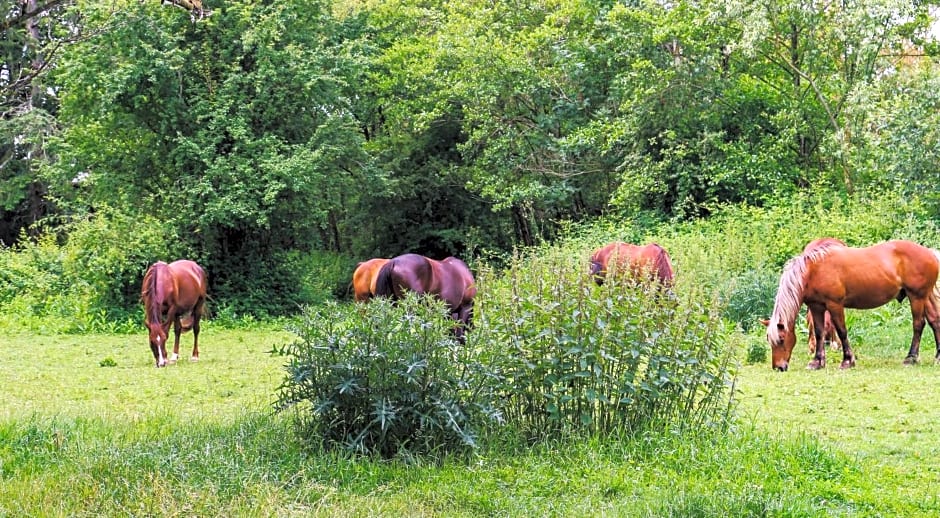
{"x": 263, "y": 131}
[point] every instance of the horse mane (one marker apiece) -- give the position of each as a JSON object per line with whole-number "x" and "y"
{"x": 789, "y": 297}
{"x": 150, "y": 293}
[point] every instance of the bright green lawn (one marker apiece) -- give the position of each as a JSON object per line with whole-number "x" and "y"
{"x": 198, "y": 439}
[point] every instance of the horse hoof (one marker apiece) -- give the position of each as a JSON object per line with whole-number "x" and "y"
{"x": 847, "y": 364}
{"x": 194, "y": 359}
{"x": 815, "y": 365}
{"x": 910, "y": 360}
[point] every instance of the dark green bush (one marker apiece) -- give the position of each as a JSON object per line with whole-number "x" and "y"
{"x": 384, "y": 378}
{"x": 577, "y": 357}
{"x": 757, "y": 351}
{"x": 751, "y": 297}
{"x": 86, "y": 281}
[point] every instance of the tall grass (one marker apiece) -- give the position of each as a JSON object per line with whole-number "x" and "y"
{"x": 575, "y": 357}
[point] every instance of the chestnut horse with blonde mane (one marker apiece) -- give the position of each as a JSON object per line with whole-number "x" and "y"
{"x": 832, "y": 278}
{"x": 649, "y": 261}
{"x": 176, "y": 293}
{"x": 449, "y": 280}
{"x": 364, "y": 278}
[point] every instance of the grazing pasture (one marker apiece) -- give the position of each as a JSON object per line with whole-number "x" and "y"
{"x": 88, "y": 426}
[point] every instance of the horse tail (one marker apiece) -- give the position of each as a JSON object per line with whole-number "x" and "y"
{"x": 149, "y": 294}
{"x": 664, "y": 267}
{"x": 935, "y": 294}
{"x": 384, "y": 286}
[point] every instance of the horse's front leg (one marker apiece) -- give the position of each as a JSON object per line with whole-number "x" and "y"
{"x": 919, "y": 309}
{"x": 464, "y": 318}
{"x": 837, "y": 316}
{"x": 177, "y": 329}
{"x": 819, "y": 352}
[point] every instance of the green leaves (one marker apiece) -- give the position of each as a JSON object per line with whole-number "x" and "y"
{"x": 387, "y": 378}
{"x": 582, "y": 358}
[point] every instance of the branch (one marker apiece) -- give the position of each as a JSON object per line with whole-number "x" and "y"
{"x": 26, "y": 16}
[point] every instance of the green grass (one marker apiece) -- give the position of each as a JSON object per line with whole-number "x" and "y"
{"x": 198, "y": 439}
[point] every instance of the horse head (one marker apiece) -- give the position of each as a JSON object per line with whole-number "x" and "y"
{"x": 158, "y": 338}
{"x": 782, "y": 339}
{"x": 597, "y": 271}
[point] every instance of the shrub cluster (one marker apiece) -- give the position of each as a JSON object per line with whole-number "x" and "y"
{"x": 551, "y": 354}
{"x": 624, "y": 356}
{"x": 385, "y": 378}
{"x": 86, "y": 280}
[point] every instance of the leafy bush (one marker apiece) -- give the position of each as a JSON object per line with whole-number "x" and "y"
{"x": 577, "y": 357}
{"x": 88, "y": 281}
{"x": 385, "y": 378}
{"x": 751, "y": 297}
{"x": 757, "y": 352}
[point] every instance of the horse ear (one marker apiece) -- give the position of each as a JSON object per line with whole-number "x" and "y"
{"x": 765, "y": 322}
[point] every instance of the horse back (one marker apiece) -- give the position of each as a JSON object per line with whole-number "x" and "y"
{"x": 411, "y": 272}
{"x": 869, "y": 277}
{"x": 189, "y": 283}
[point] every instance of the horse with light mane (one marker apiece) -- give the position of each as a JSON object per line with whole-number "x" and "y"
{"x": 832, "y": 278}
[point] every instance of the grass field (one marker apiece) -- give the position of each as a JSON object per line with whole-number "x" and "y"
{"x": 89, "y": 427}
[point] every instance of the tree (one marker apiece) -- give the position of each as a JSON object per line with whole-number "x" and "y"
{"x": 31, "y": 34}
{"x": 821, "y": 59}
{"x": 238, "y": 129}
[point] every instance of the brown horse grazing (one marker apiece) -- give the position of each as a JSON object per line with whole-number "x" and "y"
{"x": 176, "y": 293}
{"x": 833, "y": 278}
{"x": 450, "y": 280}
{"x": 829, "y": 332}
{"x": 650, "y": 260}
{"x": 364, "y": 278}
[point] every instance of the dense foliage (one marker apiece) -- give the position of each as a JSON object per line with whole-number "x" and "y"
{"x": 268, "y": 132}
{"x": 620, "y": 357}
{"x": 550, "y": 354}
{"x": 387, "y": 379}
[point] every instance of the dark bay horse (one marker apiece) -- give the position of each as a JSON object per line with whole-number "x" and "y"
{"x": 176, "y": 293}
{"x": 832, "y": 278}
{"x": 650, "y": 261}
{"x": 829, "y": 331}
{"x": 364, "y": 278}
{"x": 450, "y": 280}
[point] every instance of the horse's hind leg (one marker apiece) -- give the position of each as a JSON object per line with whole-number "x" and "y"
{"x": 933, "y": 318}
{"x": 837, "y": 317}
{"x": 919, "y": 309}
{"x": 197, "y": 315}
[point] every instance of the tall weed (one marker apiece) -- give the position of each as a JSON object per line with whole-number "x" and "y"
{"x": 577, "y": 357}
